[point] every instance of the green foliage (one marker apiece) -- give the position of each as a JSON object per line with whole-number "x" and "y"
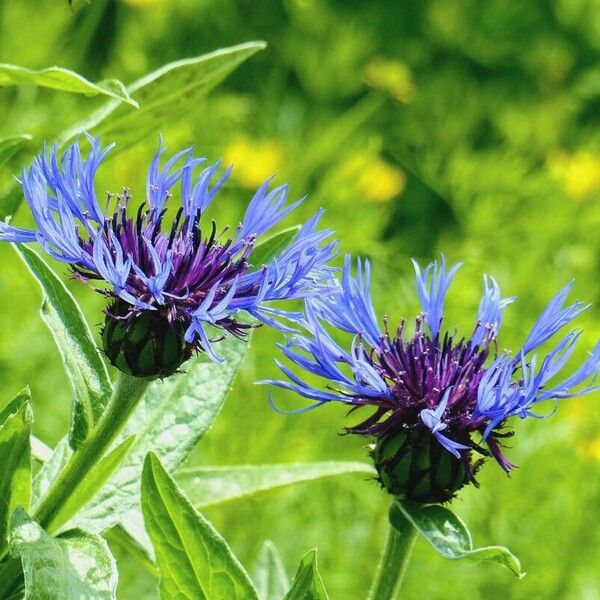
{"x": 82, "y": 360}
{"x": 93, "y": 482}
{"x": 268, "y": 248}
{"x": 449, "y": 535}
{"x": 193, "y": 559}
{"x": 488, "y": 113}
{"x": 10, "y": 145}
{"x": 57, "y": 78}
{"x": 50, "y": 468}
{"x": 15, "y": 458}
{"x": 307, "y": 581}
{"x": 269, "y": 574}
{"x": 171, "y": 418}
{"x": 75, "y": 565}
{"x": 164, "y": 95}
{"x": 212, "y": 485}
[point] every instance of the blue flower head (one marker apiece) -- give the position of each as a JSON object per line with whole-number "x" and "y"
{"x": 178, "y": 284}
{"x": 437, "y": 401}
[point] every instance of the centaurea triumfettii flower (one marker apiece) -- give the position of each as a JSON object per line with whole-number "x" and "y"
{"x": 177, "y": 284}
{"x": 440, "y": 404}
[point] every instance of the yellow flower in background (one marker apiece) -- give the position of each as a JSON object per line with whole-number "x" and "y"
{"x": 578, "y": 173}
{"x": 391, "y": 76}
{"x": 591, "y": 449}
{"x": 381, "y": 182}
{"x": 375, "y": 179}
{"x": 253, "y": 160}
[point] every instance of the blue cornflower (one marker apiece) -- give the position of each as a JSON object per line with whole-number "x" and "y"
{"x": 437, "y": 401}
{"x": 177, "y": 284}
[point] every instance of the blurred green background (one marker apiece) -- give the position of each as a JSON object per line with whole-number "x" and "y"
{"x": 463, "y": 127}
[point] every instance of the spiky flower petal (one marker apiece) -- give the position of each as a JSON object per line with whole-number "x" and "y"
{"x": 431, "y": 394}
{"x": 163, "y": 259}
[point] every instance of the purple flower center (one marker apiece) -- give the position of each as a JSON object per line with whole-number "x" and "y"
{"x": 420, "y": 373}
{"x": 197, "y": 264}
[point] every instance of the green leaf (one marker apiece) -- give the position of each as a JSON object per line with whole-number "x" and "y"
{"x": 308, "y": 584}
{"x": 269, "y": 574}
{"x": 272, "y": 246}
{"x": 119, "y": 538}
{"x": 50, "y": 469}
{"x": 57, "y": 78}
{"x": 82, "y": 360}
{"x": 450, "y": 536}
{"x": 10, "y": 145}
{"x": 94, "y": 480}
{"x": 15, "y": 459}
{"x": 170, "y": 419}
{"x": 211, "y": 485}
{"x": 75, "y": 565}
{"x": 164, "y": 96}
{"x": 138, "y": 575}
{"x": 193, "y": 559}
{"x": 40, "y": 451}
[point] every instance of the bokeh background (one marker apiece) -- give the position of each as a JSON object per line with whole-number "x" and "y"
{"x": 463, "y": 127}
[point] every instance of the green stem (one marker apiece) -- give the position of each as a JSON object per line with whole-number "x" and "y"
{"x": 400, "y": 541}
{"x": 125, "y": 397}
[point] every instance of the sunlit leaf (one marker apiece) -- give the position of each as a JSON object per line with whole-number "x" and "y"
{"x": 75, "y": 565}
{"x": 164, "y": 96}
{"x": 50, "y": 469}
{"x": 450, "y": 536}
{"x": 193, "y": 559}
{"x": 92, "y": 483}
{"x": 83, "y": 362}
{"x": 269, "y": 574}
{"x": 138, "y": 575}
{"x": 267, "y": 249}
{"x": 57, "y": 78}
{"x": 40, "y": 451}
{"x": 308, "y": 584}
{"x": 10, "y": 145}
{"x": 170, "y": 419}
{"x": 211, "y": 485}
{"x": 15, "y": 459}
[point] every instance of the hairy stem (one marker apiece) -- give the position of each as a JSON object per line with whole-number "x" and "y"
{"x": 400, "y": 541}
{"x": 126, "y": 395}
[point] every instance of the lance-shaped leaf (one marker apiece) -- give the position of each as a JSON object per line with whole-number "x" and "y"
{"x": 272, "y": 246}
{"x": 92, "y": 483}
{"x": 269, "y": 574}
{"x": 53, "y": 464}
{"x": 40, "y": 451}
{"x": 450, "y": 536}
{"x": 10, "y": 145}
{"x": 193, "y": 559}
{"x": 15, "y": 459}
{"x": 82, "y": 360}
{"x": 57, "y": 78}
{"x": 138, "y": 575}
{"x": 211, "y": 485}
{"x": 170, "y": 419}
{"x": 308, "y": 584}
{"x": 74, "y": 565}
{"x": 164, "y": 96}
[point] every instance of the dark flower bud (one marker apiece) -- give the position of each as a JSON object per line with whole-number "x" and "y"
{"x": 412, "y": 464}
{"x": 143, "y": 344}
